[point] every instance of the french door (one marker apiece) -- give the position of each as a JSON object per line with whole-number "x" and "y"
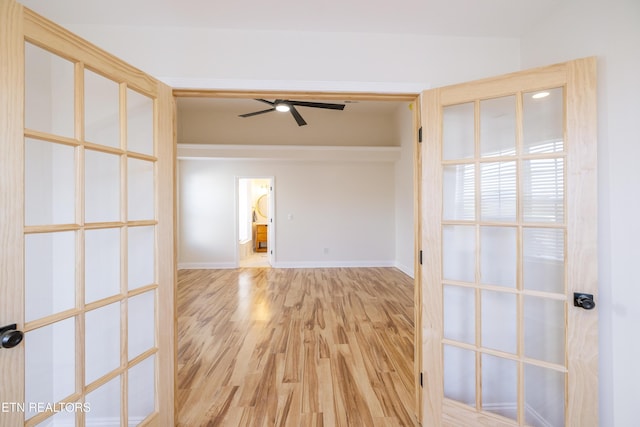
{"x": 508, "y": 221}
{"x": 87, "y": 258}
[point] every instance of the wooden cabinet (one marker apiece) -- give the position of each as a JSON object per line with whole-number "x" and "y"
{"x": 261, "y": 238}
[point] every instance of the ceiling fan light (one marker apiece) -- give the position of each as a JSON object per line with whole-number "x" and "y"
{"x": 283, "y": 108}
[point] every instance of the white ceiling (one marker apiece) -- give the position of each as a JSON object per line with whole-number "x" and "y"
{"x": 479, "y": 18}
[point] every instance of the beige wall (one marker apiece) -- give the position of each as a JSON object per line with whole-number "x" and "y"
{"x": 346, "y": 208}
{"x": 335, "y": 128}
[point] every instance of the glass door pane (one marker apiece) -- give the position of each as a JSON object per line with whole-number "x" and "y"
{"x": 102, "y": 187}
{"x": 50, "y": 372}
{"x": 142, "y": 324}
{"x": 458, "y": 132}
{"x": 102, "y": 342}
{"x": 543, "y": 121}
{"x": 460, "y": 314}
{"x": 543, "y": 190}
{"x": 141, "y": 257}
{"x": 141, "y": 402}
{"x": 544, "y": 320}
{"x": 102, "y": 264}
{"x": 499, "y": 321}
{"x": 498, "y": 126}
{"x": 498, "y": 191}
{"x": 459, "y": 252}
{"x": 499, "y": 256}
{"x": 141, "y": 200}
{"x": 458, "y": 192}
{"x": 544, "y": 396}
{"x": 49, "y": 92}
{"x": 460, "y": 374}
{"x": 105, "y": 403}
{"x": 50, "y": 274}
{"x": 139, "y": 123}
{"x": 102, "y": 110}
{"x": 543, "y": 259}
{"x": 500, "y": 386}
{"x": 50, "y": 183}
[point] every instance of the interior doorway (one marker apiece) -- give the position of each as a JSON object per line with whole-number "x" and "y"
{"x": 255, "y": 227}
{"x": 353, "y": 97}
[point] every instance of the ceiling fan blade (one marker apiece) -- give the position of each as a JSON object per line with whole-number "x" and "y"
{"x": 266, "y": 102}
{"x": 257, "y": 112}
{"x": 297, "y": 116}
{"x": 317, "y": 105}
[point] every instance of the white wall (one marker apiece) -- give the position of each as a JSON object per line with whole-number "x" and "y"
{"x": 345, "y": 207}
{"x": 200, "y": 57}
{"x": 610, "y": 30}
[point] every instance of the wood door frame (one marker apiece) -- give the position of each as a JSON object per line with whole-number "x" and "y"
{"x": 417, "y": 179}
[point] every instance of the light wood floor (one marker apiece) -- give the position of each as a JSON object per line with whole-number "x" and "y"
{"x": 295, "y": 347}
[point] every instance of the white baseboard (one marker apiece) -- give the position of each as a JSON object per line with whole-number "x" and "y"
{"x": 300, "y": 264}
{"x": 205, "y": 265}
{"x": 333, "y": 264}
{"x": 406, "y": 270}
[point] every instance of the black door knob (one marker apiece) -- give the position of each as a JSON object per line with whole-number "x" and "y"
{"x": 584, "y": 301}
{"x": 10, "y": 336}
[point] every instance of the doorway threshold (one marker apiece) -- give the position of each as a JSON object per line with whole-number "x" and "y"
{"x": 256, "y": 259}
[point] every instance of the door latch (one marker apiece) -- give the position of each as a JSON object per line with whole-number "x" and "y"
{"x": 583, "y": 300}
{"x": 10, "y": 336}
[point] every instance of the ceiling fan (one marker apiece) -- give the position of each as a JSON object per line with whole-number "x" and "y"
{"x": 284, "y": 105}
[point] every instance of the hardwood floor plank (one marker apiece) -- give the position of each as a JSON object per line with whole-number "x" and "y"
{"x": 265, "y": 398}
{"x": 356, "y": 409}
{"x": 293, "y": 352}
{"x": 247, "y": 391}
{"x": 310, "y": 384}
{"x": 218, "y": 412}
{"x": 295, "y": 347}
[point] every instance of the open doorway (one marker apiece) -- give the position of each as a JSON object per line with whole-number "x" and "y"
{"x": 254, "y": 218}
{"x": 218, "y": 153}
